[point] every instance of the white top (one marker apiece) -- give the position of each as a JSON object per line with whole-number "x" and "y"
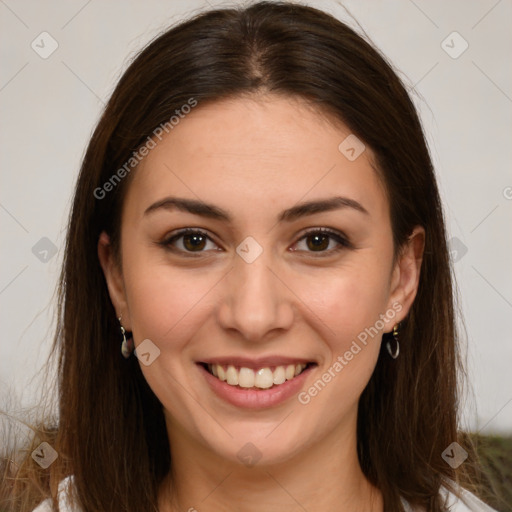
{"x": 468, "y": 503}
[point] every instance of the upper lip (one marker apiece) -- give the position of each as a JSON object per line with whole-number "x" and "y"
{"x": 255, "y": 364}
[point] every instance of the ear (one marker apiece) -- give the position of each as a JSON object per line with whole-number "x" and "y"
{"x": 114, "y": 278}
{"x": 406, "y": 275}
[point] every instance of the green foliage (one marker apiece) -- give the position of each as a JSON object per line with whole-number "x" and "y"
{"x": 495, "y": 457}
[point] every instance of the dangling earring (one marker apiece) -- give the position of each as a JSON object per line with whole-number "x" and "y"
{"x": 127, "y": 344}
{"x": 394, "y": 353}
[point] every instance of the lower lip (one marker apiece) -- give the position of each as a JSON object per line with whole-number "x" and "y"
{"x": 255, "y": 398}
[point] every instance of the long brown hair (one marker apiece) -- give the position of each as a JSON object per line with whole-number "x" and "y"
{"x": 111, "y": 433}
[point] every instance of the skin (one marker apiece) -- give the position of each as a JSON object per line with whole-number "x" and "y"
{"x": 256, "y": 157}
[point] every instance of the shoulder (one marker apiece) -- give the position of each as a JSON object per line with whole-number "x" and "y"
{"x": 465, "y": 502}
{"x": 65, "y": 504}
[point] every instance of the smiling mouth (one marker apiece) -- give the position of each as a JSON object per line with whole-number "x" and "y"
{"x": 262, "y": 378}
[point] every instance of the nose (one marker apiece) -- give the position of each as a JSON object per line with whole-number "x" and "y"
{"x": 256, "y": 302}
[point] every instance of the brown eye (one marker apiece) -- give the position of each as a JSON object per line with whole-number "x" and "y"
{"x": 194, "y": 242}
{"x": 323, "y": 242}
{"x": 189, "y": 241}
{"x": 318, "y": 242}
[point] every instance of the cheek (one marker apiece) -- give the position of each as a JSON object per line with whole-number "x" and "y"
{"x": 168, "y": 306}
{"x": 165, "y": 302}
{"x": 169, "y": 303}
{"x": 348, "y": 301}
{"x": 162, "y": 299}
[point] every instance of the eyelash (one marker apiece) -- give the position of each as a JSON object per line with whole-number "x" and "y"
{"x": 338, "y": 237}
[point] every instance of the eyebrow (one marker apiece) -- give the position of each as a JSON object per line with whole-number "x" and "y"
{"x": 295, "y": 212}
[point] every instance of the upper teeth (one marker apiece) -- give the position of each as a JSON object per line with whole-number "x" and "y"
{"x": 263, "y": 378}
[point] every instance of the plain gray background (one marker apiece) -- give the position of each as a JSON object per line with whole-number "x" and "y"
{"x": 49, "y": 107}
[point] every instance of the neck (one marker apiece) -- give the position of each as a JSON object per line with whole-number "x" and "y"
{"x": 325, "y": 477}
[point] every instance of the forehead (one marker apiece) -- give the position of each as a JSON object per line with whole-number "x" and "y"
{"x": 253, "y": 152}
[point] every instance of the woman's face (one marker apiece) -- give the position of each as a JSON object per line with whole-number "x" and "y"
{"x": 255, "y": 294}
